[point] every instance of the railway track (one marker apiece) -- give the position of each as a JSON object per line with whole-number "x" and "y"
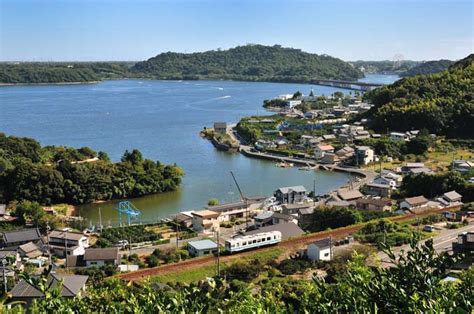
{"x": 290, "y": 244}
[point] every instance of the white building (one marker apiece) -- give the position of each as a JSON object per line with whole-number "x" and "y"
{"x": 397, "y": 136}
{"x": 365, "y": 155}
{"x": 202, "y": 247}
{"x": 74, "y": 243}
{"x": 414, "y": 203}
{"x": 319, "y": 250}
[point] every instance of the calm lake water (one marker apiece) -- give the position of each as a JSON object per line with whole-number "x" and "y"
{"x": 162, "y": 119}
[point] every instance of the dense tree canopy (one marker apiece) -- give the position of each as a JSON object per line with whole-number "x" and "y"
{"x": 249, "y": 63}
{"x": 58, "y": 72}
{"x": 442, "y": 103}
{"x": 67, "y": 175}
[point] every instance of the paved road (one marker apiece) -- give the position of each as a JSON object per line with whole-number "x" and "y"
{"x": 441, "y": 243}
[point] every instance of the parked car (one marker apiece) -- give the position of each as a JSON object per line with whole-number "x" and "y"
{"x": 428, "y": 228}
{"x": 122, "y": 244}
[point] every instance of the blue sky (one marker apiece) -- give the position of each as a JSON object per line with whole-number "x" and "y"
{"x": 57, "y": 30}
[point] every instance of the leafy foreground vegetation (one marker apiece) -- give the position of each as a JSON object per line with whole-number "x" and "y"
{"x": 51, "y": 175}
{"x": 248, "y": 63}
{"x": 414, "y": 285}
{"x": 58, "y": 72}
{"x": 442, "y": 103}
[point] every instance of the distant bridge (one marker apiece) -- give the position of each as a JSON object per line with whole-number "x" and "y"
{"x": 354, "y": 85}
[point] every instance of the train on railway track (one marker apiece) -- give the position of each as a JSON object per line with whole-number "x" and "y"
{"x": 257, "y": 240}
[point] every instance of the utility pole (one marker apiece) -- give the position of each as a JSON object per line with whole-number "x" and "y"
{"x": 4, "y": 264}
{"x": 100, "y": 220}
{"x": 65, "y": 246}
{"x": 330, "y": 248}
{"x": 243, "y": 199}
{"x": 218, "y": 256}
{"x": 48, "y": 228}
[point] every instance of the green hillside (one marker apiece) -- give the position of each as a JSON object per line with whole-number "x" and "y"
{"x": 442, "y": 103}
{"x": 428, "y": 67}
{"x": 248, "y": 63}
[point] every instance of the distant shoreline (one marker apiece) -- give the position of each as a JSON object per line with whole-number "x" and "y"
{"x": 58, "y": 83}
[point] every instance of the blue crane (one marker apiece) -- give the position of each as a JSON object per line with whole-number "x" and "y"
{"x": 127, "y": 208}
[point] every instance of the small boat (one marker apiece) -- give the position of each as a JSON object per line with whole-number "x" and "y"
{"x": 284, "y": 164}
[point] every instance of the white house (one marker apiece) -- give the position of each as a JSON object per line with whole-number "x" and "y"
{"x": 364, "y": 155}
{"x": 386, "y": 181}
{"x": 322, "y": 149}
{"x": 74, "y": 243}
{"x": 290, "y": 104}
{"x": 319, "y": 250}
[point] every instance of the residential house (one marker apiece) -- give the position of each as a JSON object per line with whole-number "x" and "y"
{"x": 263, "y": 219}
{"x": 202, "y": 247}
{"x": 278, "y": 218}
{"x": 375, "y": 204}
{"x": 464, "y": 243}
{"x": 220, "y": 127}
{"x": 364, "y": 155}
{"x": 386, "y": 181}
{"x": 349, "y": 195}
{"x": 185, "y": 219}
{"x": 290, "y": 104}
{"x": 451, "y": 198}
{"x": 287, "y": 229}
{"x": 231, "y": 210}
{"x": 206, "y": 221}
{"x": 376, "y": 189}
{"x": 17, "y": 238}
{"x": 322, "y": 149}
{"x": 319, "y": 250}
{"x": 414, "y": 203}
{"x": 30, "y": 250}
{"x": 329, "y": 137}
{"x": 71, "y": 286}
{"x": 345, "y": 152}
{"x": 421, "y": 170}
{"x": 397, "y": 136}
{"x": 95, "y": 257}
{"x": 410, "y": 166}
{"x": 329, "y": 159}
{"x": 63, "y": 243}
{"x": 462, "y": 166}
{"x": 293, "y": 209}
{"x": 456, "y": 215}
{"x": 291, "y": 194}
{"x": 389, "y": 174}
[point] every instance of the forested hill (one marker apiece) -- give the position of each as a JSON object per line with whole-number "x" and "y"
{"x": 428, "y": 67}
{"x": 442, "y": 103}
{"x": 248, "y": 63}
{"x": 60, "y": 72}
{"x": 57, "y": 174}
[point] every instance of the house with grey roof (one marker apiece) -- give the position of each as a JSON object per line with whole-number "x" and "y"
{"x": 414, "y": 203}
{"x": 71, "y": 286}
{"x": 202, "y": 247}
{"x": 63, "y": 243}
{"x": 17, "y": 238}
{"x": 30, "y": 250}
{"x": 291, "y": 194}
{"x": 95, "y": 257}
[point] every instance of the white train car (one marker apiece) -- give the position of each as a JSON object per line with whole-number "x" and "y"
{"x": 256, "y": 240}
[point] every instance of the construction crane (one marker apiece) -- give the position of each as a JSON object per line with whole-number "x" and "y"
{"x": 243, "y": 198}
{"x": 128, "y": 209}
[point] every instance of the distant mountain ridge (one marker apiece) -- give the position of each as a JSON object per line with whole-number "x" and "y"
{"x": 247, "y": 63}
{"x": 442, "y": 103}
{"x": 429, "y": 67}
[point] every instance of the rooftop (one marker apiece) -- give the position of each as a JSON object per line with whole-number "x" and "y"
{"x": 323, "y": 243}
{"x": 452, "y": 195}
{"x": 203, "y": 244}
{"x": 206, "y": 214}
{"x": 298, "y": 189}
{"x": 287, "y": 229}
{"x": 100, "y": 254}
{"x": 25, "y": 235}
{"x": 349, "y": 195}
{"x": 416, "y": 200}
{"x": 71, "y": 286}
{"x": 58, "y": 234}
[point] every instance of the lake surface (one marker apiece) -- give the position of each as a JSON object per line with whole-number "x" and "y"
{"x": 162, "y": 119}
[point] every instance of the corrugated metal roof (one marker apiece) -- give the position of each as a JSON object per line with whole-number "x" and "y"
{"x": 203, "y": 244}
